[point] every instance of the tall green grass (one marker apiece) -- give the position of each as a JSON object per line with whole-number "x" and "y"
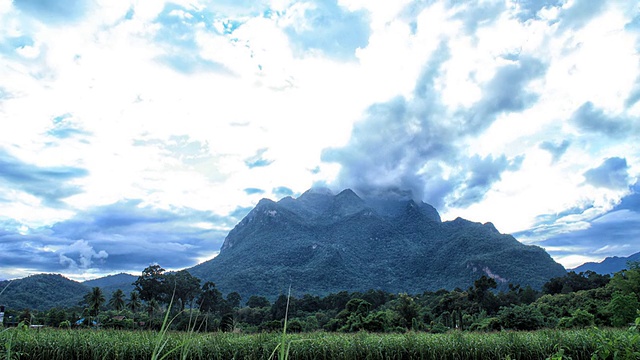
{"x": 54, "y": 344}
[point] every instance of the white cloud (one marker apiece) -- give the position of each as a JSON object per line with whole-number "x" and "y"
{"x": 124, "y": 107}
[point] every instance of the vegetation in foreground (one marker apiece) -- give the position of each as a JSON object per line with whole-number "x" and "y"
{"x": 53, "y": 344}
{"x": 169, "y": 316}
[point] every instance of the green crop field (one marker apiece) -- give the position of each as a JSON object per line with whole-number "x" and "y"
{"x": 53, "y": 344}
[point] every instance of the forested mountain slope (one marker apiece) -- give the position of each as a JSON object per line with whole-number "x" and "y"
{"x": 322, "y": 243}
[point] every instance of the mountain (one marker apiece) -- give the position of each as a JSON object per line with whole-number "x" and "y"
{"x": 45, "y": 291}
{"x": 41, "y": 292}
{"x": 322, "y": 243}
{"x": 609, "y": 265}
{"x": 111, "y": 283}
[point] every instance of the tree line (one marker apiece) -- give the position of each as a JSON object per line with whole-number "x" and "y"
{"x": 574, "y": 300}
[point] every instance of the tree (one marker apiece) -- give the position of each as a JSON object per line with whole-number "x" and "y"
{"x": 258, "y": 302}
{"x": 210, "y": 299}
{"x": 521, "y": 317}
{"x": 117, "y": 300}
{"x": 134, "y": 303}
{"x": 627, "y": 281}
{"x": 55, "y": 316}
{"x": 279, "y": 307}
{"x": 233, "y": 299}
{"x": 355, "y": 313}
{"x": 152, "y": 307}
{"x": 480, "y": 294}
{"x": 408, "y": 310}
{"x": 624, "y": 308}
{"x": 95, "y": 299}
{"x": 183, "y": 286}
{"x": 152, "y": 284}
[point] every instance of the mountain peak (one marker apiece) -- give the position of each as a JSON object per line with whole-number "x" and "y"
{"x": 318, "y": 191}
{"x": 325, "y": 243}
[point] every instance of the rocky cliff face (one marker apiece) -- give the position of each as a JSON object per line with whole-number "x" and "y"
{"x": 322, "y": 243}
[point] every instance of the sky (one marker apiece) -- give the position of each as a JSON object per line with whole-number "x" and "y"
{"x": 140, "y": 132}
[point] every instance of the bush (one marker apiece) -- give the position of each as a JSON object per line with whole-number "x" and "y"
{"x": 65, "y": 324}
{"x": 486, "y": 324}
{"x": 521, "y": 317}
{"x": 581, "y": 318}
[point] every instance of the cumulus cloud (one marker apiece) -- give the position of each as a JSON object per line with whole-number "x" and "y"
{"x": 63, "y": 127}
{"x": 481, "y": 175}
{"x": 80, "y": 255}
{"x": 416, "y": 144}
{"x": 557, "y": 149}
{"x": 528, "y": 9}
{"x": 579, "y": 14}
{"x": 182, "y": 50}
{"x": 612, "y": 174}
{"x": 327, "y": 27}
{"x": 258, "y": 160}
{"x": 591, "y": 119}
{"x": 125, "y": 236}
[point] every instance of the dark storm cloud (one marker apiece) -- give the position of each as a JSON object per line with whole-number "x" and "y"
{"x": 416, "y": 144}
{"x": 117, "y": 237}
{"x": 51, "y": 184}
{"x": 611, "y": 174}
{"x": 54, "y": 11}
{"x": 591, "y": 119}
{"x": 556, "y": 149}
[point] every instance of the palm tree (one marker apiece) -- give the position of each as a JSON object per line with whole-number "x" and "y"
{"x": 95, "y": 299}
{"x": 117, "y": 300}
{"x": 134, "y": 303}
{"x": 152, "y": 307}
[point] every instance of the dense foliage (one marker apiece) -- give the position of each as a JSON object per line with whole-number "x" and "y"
{"x": 41, "y": 292}
{"x": 571, "y": 301}
{"x": 373, "y": 324}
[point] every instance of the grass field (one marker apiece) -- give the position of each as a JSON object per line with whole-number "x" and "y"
{"x": 53, "y": 344}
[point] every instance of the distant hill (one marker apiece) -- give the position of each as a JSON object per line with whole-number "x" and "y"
{"x": 609, "y": 265}
{"x": 111, "y": 283}
{"x": 41, "y": 292}
{"x": 45, "y": 291}
{"x": 322, "y": 243}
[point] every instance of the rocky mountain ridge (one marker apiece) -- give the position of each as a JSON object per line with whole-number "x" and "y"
{"x": 322, "y": 243}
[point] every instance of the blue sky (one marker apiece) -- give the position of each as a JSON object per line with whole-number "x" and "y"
{"x": 141, "y": 132}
